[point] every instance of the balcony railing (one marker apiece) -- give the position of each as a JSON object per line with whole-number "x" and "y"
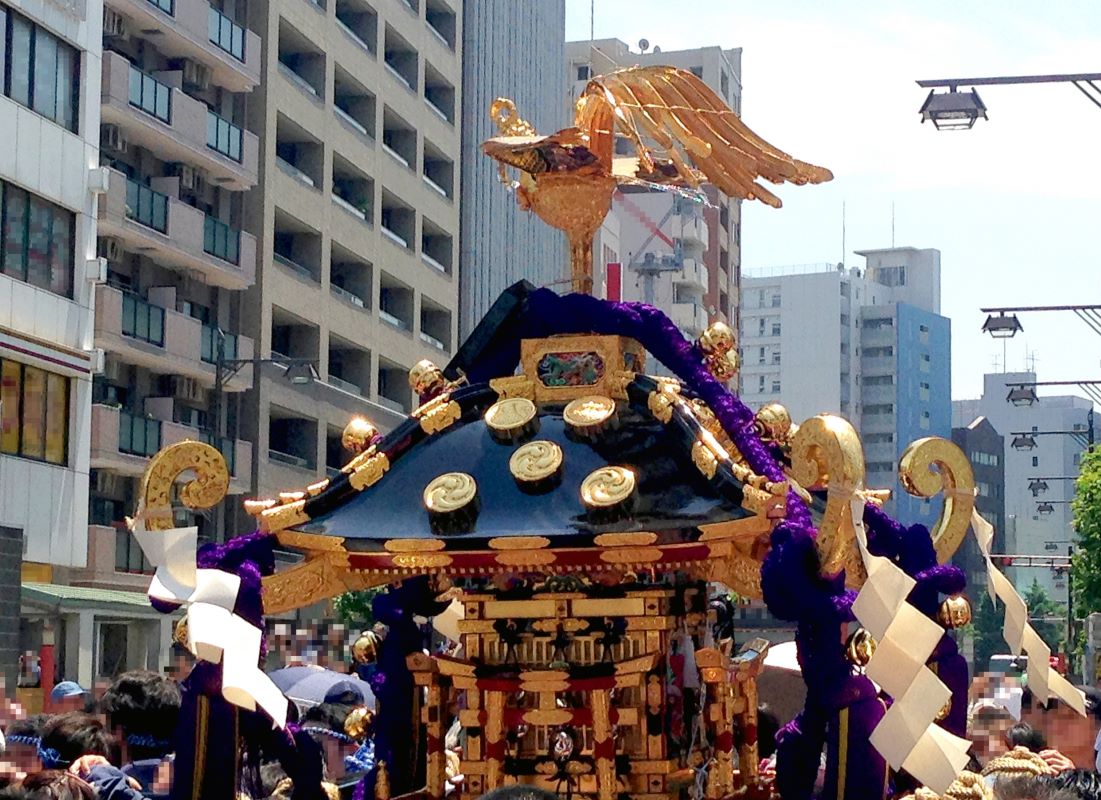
{"x": 209, "y": 352}
{"x": 397, "y": 322}
{"x": 395, "y": 238}
{"x": 435, "y": 186}
{"x": 223, "y": 136}
{"x": 356, "y": 37}
{"x": 139, "y": 436}
{"x": 294, "y": 172}
{"x": 286, "y": 458}
{"x": 142, "y": 320}
{"x": 129, "y": 556}
{"x": 348, "y": 118}
{"x": 394, "y": 71}
{"x": 146, "y": 206}
{"x": 347, "y": 386}
{"x": 221, "y": 240}
{"x": 428, "y": 338}
{"x": 150, "y": 95}
{"x": 349, "y": 207}
{"x": 227, "y": 34}
{"x": 227, "y": 447}
{"x": 439, "y": 111}
{"x": 436, "y": 265}
{"x": 297, "y": 79}
{"x": 294, "y": 266}
{"x": 347, "y": 296}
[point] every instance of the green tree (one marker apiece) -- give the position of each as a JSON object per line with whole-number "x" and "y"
{"x": 1085, "y": 565}
{"x": 1046, "y": 616}
{"x": 354, "y": 608}
{"x": 986, "y": 627}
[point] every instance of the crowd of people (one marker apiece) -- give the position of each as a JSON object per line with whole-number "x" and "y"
{"x": 119, "y": 746}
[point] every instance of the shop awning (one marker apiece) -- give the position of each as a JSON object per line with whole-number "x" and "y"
{"x": 59, "y": 598}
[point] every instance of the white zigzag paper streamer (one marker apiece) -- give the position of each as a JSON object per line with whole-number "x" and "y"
{"x": 907, "y": 736}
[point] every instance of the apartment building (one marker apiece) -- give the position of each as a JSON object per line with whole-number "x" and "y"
{"x": 868, "y": 344}
{"x": 49, "y": 124}
{"x": 682, "y": 256}
{"x": 498, "y": 243}
{"x": 357, "y": 220}
{"x": 1041, "y": 457}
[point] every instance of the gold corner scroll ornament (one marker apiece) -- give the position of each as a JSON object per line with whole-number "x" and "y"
{"x": 954, "y": 477}
{"x": 438, "y": 414}
{"x": 282, "y": 517}
{"x": 208, "y": 488}
{"x": 607, "y": 487}
{"x": 318, "y": 578}
{"x": 826, "y": 454}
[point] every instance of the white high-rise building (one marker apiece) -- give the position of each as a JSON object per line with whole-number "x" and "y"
{"x": 1050, "y": 436}
{"x": 867, "y": 344}
{"x": 49, "y": 180}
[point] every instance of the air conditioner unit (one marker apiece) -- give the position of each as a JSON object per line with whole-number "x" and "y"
{"x": 108, "y": 483}
{"x": 112, "y": 138}
{"x": 187, "y": 389}
{"x": 112, "y": 370}
{"x": 191, "y": 178}
{"x": 114, "y": 25}
{"x": 196, "y": 76}
{"x": 110, "y": 247}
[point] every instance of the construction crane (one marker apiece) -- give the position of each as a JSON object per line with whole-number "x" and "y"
{"x": 647, "y": 264}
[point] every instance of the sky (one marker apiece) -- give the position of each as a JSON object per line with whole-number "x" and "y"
{"x": 1014, "y": 204}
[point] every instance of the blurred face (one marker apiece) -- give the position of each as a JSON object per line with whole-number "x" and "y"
{"x": 73, "y": 702}
{"x": 23, "y": 756}
{"x": 1067, "y": 732}
{"x": 988, "y": 737}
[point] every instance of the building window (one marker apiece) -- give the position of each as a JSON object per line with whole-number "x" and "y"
{"x": 879, "y": 408}
{"x": 923, "y": 391}
{"x": 1035, "y": 461}
{"x": 776, "y": 329}
{"x": 150, "y": 95}
{"x": 879, "y": 438}
{"x": 879, "y": 352}
{"x": 775, "y": 386}
{"x": 761, "y": 326}
{"x": 761, "y": 356}
{"x": 697, "y": 71}
{"x": 875, "y": 323}
{"x": 924, "y": 421}
{"x": 584, "y": 72}
{"x": 878, "y": 380}
{"x": 34, "y": 407}
{"x": 43, "y": 72}
{"x": 760, "y": 383}
{"x": 775, "y": 301}
{"x": 37, "y": 241}
{"x": 891, "y": 276}
{"x": 776, "y": 356}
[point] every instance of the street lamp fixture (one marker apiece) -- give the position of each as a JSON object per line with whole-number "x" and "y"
{"x": 1037, "y": 487}
{"x": 301, "y": 373}
{"x": 1023, "y": 441}
{"x": 1045, "y": 509}
{"x": 953, "y": 110}
{"x": 1003, "y": 326}
{"x": 1022, "y": 396}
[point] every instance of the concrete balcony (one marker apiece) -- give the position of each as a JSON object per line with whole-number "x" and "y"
{"x": 103, "y": 560}
{"x": 878, "y": 365}
{"x": 192, "y": 134}
{"x": 694, "y": 276}
{"x": 163, "y": 340}
{"x": 124, "y": 442}
{"x": 878, "y": 394}
{"x": 690, "y": 318}
{"x": 174, "y": 233}
{"x": 197, "y": 31}
{"x": 692, "y": 230}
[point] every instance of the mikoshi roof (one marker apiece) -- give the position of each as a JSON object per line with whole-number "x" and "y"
{"x": 576, "y": 461}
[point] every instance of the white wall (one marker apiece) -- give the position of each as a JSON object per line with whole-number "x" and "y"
{"x": 50, "y": 503}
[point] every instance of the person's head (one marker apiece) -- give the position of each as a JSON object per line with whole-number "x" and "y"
{"x": 1028, "y": 788}
{"x": 67, "y": 696}
{"x": 989, "y": 724}
{"x": 1083, "y": 784}
{"x": 1024, "y": 735}
{"x": 142, "y": 709}
{"x": 1064, "y": 729}
{"x": 55, "y": 784}
{"x": 325, "y": 724}
{"x": 67, "y": 737}
{"x": 22, "y": 738}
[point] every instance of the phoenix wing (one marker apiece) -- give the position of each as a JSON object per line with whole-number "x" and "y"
{"x": 680, "y": 127}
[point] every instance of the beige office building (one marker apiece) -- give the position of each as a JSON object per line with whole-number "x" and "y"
{"x": 356, "y": 218}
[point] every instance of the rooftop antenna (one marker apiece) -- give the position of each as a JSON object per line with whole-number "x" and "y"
{"x": 996, "y": 362}
{"x": 892, "y": 223}
{"x": 1030, "y": 361}
{"x": 842, "y": 231}
{"x": 643, "y": 45}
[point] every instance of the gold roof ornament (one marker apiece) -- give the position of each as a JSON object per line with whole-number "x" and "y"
{"x": 683, "y": 135}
